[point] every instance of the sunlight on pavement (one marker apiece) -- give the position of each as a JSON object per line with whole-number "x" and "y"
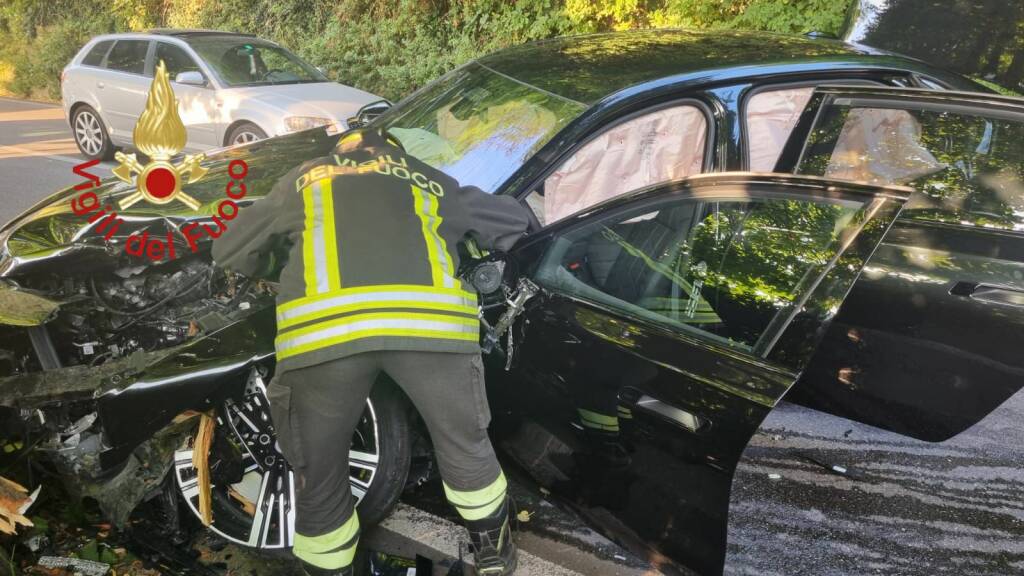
{"x": 26, "y": 115}
{"x": 60, "y": 146}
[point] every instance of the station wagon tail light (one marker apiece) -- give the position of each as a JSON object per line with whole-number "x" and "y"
{"x": 299, "y": 123}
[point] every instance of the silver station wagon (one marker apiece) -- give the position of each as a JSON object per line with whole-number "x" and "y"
{"x": 231, "y": 89}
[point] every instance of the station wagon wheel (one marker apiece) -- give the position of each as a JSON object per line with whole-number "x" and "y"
{"x": 245, "y": 133}
{"x": 90, "y": 134}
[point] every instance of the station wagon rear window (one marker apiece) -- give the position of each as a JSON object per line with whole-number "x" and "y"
{"x": 96, "y": 53}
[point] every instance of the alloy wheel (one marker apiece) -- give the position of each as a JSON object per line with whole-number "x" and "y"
{"x": 254, "y": 504}
{"x": 88, "y": 132}
{"x": 245, "y": 137}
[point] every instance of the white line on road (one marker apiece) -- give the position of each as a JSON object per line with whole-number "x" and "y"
{"x": 20, "y": 152}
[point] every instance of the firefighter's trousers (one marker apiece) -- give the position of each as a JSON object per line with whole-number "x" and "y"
{"x": 316, "y": 410}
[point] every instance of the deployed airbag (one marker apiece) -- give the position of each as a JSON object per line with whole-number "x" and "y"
{"x": 771, "y": 117}
{"x": 663, "y": 145}
{"x": 881, "y": 146}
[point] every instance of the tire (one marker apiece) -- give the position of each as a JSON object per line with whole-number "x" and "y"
{"x": 245, "y": 133}
{"x": 253, "y": 502}
{"x": 90, "y": 134}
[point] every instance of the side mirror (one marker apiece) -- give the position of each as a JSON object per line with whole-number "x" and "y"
{"x": 191, "y": 78}
{"x": 369, "y": 113}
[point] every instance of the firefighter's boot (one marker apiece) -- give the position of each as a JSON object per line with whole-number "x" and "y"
{"x": 494, "y": 550}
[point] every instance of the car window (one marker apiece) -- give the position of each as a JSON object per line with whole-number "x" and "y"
{"x": 175, "y": 59}
{"x": 659, "y": 146}
{"x": 128, "y": 56}
{"x": 96, "y": 53}
{"x": 771, "y": 116}
{"x": 722, "y": 268}
{"x": 478, "y": 126}
{"x": 966, "y": 168}
{"x": 249, "y": 62}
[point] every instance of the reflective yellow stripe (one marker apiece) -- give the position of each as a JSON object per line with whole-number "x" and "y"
{"x": 477, "y": 504}
{"x": 374, "y": 297}
{"x": 598, "y": 421}
{"x": 441, "y": 271}
{"x": 382, "y": 332}
{"x": 309, "y": 241}
{"x": 330, "y": 238}
{"x": 379, "y": 316}
{"x": 357, "y": 326}
{"x": 330, "y": 551}
{"x": 377, "y": 288}
{"x": 319, "y": 240}
{"x": 380, "y": 305}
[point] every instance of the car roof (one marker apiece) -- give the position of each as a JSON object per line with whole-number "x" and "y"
{"x": 589, "y": 68}
{"x": 185, "y": 33}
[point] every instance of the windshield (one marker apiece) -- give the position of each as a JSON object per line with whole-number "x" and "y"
{"x": 247, "y": 62}
{"x": 477, "y": 125}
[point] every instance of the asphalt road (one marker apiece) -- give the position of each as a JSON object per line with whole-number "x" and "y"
{"x": 37, "y": 154}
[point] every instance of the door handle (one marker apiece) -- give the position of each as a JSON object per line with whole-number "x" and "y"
{"x": 675, "y": 415}
{"x": 989, "y": 293}
{"x": 100, "y": 85}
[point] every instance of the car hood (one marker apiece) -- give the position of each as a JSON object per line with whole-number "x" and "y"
{"x": 51, "y": 235}
{"x": 321, "y": 99}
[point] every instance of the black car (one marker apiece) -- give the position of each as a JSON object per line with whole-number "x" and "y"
{"x": 657, "y": 317}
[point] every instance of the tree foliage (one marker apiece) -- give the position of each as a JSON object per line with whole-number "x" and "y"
{"x": 388, "y": 47}
{"x": 983, "y": 38}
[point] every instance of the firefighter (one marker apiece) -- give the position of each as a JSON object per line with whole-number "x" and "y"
{"x": 368, "y": 286}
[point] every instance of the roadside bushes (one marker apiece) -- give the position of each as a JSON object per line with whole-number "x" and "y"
{"x": 389, "y": 47}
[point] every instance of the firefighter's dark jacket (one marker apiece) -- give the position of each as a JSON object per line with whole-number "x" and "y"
{"x": 372, "y": 258}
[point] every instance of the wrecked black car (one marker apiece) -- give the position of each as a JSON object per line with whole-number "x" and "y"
{"x": 639, "y": 336}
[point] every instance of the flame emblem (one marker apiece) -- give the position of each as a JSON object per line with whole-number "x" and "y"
{"x": 159, "y": 134}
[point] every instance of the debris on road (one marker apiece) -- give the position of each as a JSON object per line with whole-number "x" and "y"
{"x": 76, "y": 565}
{"x": 200, "y": 460}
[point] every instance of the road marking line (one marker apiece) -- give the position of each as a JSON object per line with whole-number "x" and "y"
{"x": 444, "y": 536}
{"x": 29, "y": 115}
{"x": 43, "y": 133}
{"x": 42, "y": 151}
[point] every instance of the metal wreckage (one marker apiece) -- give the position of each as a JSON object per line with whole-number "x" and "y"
{"x": 110, "y": 356}
{"x": 641, "y": 382}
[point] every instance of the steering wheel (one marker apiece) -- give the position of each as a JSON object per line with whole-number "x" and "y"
{"x": 271, "y": 72}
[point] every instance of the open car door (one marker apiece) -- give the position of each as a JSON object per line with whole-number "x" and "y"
{"x": 669, "y": 323}
{"x": 928, "y": 342}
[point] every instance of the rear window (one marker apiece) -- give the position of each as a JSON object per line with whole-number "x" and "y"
{"x": 96, "y": 54}
{"x": 128, "y": 56}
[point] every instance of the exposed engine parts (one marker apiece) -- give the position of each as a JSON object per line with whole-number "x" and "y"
{"x": 108, "y": 315}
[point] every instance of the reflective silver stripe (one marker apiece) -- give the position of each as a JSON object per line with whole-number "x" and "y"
{"x": 319, "y": 246}
{"x": 399, "y": 299}
{"x": 428, "y": 200}
{"x": 285, "y": 343}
